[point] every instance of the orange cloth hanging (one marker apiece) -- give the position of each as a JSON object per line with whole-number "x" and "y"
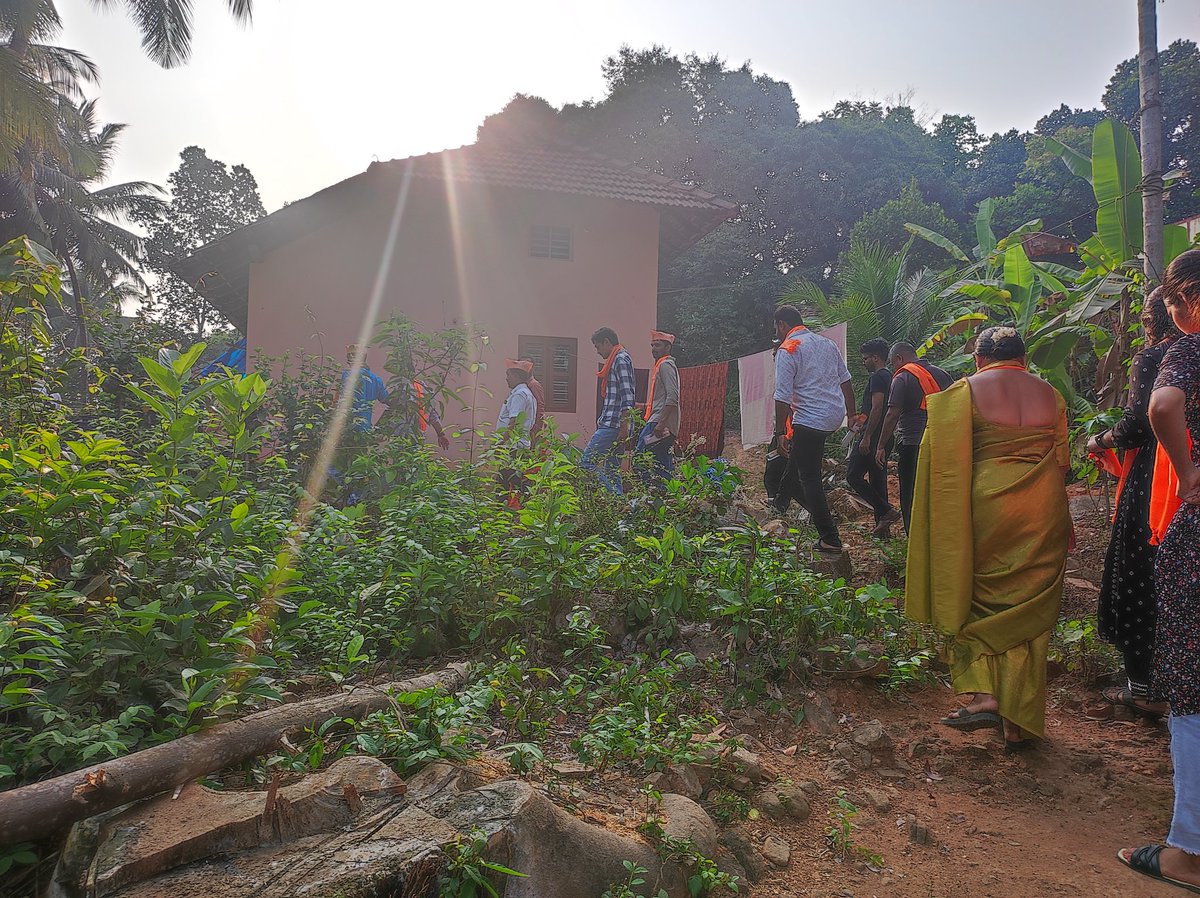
{"x": 1107, "y": 462}
{"x": 924, "y": 378}
{"x": 650, "y": 388}
{"x": 603, "y": 372}
{"x": 1164, "y": 494}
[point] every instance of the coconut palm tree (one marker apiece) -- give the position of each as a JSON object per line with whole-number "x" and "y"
{"x": 60, "y": 206}
{"x": 878, "y": 294}
{"x": 34, "y": 74}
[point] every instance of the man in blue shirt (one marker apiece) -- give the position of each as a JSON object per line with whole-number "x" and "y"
{"x": 369, "y": 390}
{"x": 813, "y": 389}
{"x": 617, "y": 388}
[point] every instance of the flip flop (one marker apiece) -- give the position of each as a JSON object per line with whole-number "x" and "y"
{"x": 1144, "y": 860}
{"x": 968, "y": 721}
{"x": 1121, "y": 697}
{"x": 826, "y": 549}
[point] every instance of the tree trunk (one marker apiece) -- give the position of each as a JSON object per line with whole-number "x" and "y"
{"x": 81, "y": 333}
{"x": 1151, "y": 120}
{"x": 39, "y": 810}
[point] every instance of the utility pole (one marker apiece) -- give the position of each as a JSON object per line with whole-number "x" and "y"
{"x": 1150, "y": 130}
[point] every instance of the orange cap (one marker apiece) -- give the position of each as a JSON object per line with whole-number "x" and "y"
{"x": 520, "y": 364}
{"x": 662, "y": 335}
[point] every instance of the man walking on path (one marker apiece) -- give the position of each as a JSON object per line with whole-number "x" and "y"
{"x": 662, "y": 405}
{"x": 906, "y": 417}
{"x": 617, "y": 390}
{"x": 812, "y": 387}
{"x": 864, "y": 474}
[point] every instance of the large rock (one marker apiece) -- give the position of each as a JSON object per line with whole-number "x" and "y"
{"x": 381, "y": 844}
{"x": 819, "y": 715}
{"x": 169, "y": 831}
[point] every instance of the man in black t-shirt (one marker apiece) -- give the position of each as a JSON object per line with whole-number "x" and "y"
{"x": 864, "y": 472}
{"x": 906, "y": 416}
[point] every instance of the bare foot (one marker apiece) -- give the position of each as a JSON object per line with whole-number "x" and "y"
{"x": 981, "y": 702}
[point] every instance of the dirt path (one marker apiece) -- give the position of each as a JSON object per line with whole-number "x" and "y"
{"x": 1047, "y": 823}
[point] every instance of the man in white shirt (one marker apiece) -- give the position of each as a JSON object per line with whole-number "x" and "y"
{"x": 813, "y": 391}
{"x": 520, "y": 408}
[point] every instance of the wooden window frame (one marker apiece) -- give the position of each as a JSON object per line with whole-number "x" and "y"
{"x": 551, "y": 242}
{"x": 542, "y": 350}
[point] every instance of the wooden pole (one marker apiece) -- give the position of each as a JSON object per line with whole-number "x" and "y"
{"x": 39, "y": 810}
{"x": 1150, "y": 131}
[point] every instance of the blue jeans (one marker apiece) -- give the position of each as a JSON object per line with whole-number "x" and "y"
{"x": 1185, "y": 753}
{"x": 664, "y": 463}
{"x": 599, "y": 456}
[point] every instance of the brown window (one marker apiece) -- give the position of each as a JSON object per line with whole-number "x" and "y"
{"x": 556, "y": 365}
{"x": 546, "y": 242}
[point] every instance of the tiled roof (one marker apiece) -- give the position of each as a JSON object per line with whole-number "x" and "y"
{"x": 561, "y": 169}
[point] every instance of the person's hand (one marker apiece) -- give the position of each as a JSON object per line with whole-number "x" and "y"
{"x": 1093, "y": 445}
{"x": 660, "y": 429}
{"x": 1189, "y": 485}
{"x": 856, "y": 422}
{"x": 443, "y": 440}
{"x": 881, "y": 456}
{"x": 864, "y": 447}
{"x": 784, "y": 445}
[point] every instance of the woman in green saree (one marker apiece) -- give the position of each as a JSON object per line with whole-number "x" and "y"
{"x": 990, "y": 534}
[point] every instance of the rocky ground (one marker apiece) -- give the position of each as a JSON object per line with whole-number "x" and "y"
{"x": 921, "y": 811}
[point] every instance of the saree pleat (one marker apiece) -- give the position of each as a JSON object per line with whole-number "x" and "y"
{"x": 987, "y": 551}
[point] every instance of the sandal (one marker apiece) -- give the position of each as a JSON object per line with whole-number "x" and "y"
{"x": 825, "y": 549}
{"x": 1144, "y": 860}
{"x": 968, "y": 721}
{"x": 1121, "y": 697}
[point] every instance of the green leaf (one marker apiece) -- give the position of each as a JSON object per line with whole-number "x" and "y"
{"x": 983, "y": 228}
{"x": 1020, "y": 280}
{"x": 1175, "y": 241}
{"x": 1077, "y": 163}
{"x": 1116, "y": 176}
{"x": 937, "y": 240}
{"x": 163, "y": 377}
{"x": 184, "y": 363}
{"x": 164, "y": 411}
{"x": 1053, "y": 349}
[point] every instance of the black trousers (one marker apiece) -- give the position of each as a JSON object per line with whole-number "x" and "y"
{"x": 906, "y": 470}
{"x": 782, "y": 486}
{"x": 804, "y": 464}
{"x": 868, "y": 479}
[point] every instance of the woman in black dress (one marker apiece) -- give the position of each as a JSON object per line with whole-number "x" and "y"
{"x": 1174, "y": 412}
{"x": 1127, "y": 610}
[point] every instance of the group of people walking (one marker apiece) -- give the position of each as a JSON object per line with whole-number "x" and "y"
{"x": 982, "y": 465}
{"x": 814, "y": 396}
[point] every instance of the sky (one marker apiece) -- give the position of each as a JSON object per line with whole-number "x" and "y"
{"x": 306, "y": 97}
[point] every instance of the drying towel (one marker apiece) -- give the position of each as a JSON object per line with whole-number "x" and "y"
{"x": 702, "y": 394}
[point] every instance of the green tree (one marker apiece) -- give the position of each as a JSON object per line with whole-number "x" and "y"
{"x": 1046, "y": 189}
{"x": 208, "y": 200}
{"x": 1180, "y": 71}
{"x": 884, "y": 226}
{"x": 57, "y": 203}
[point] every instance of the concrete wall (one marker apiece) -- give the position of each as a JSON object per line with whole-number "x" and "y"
{"x": 320, "y": 284}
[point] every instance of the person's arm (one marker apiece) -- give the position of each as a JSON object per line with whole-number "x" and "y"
{"x": 785, "y": 373}
{"x": 892, "y": 418}
{"x": 1167, "y": 417}
{"x": 848, "y": 395}
{"x": 874, "y": 420}
{"x": 627, "y": 392}
{"x": 669, "y": 374}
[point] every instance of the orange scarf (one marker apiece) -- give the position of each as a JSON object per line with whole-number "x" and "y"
{"x": 924, "y": 378}
{"x": 650, "y": 388}
{"x": 422, "y": 415}
{"x": 1164, "y": 494}
{"x": 603, "y": 372}
{"x": 790, "y": 344}
{"x": 1107, "y": 461}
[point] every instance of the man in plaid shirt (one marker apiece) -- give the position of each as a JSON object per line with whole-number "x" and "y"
{"x": 612, "y": 427}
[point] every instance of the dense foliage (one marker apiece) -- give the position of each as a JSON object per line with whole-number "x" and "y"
{"x": 162, "y": 566}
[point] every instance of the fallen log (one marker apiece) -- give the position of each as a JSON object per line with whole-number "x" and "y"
{"x": 40, "y": 809}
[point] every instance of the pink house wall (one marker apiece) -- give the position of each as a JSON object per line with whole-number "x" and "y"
{"x": 321, "y": 283}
